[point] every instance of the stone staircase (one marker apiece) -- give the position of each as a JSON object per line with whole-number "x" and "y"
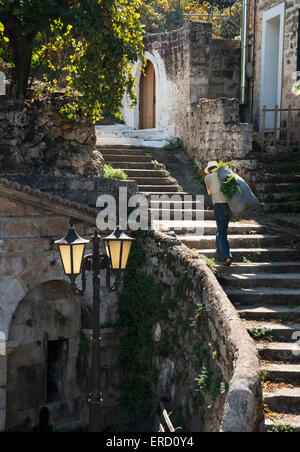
{"x": 263, "y": 283}
{"x": 137, "y": 164}
{"x": 278, "y": 181}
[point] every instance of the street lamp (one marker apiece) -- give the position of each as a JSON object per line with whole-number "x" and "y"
{"x": 71, "y": 249}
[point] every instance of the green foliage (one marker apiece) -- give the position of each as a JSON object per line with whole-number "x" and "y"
{"x": 260, "y": 332}
{"x": 196, "y": 176}
{"x": 60, "y": 317}
{"x": 49, "y": 142}
{"x": 277, "y": 427}
{"x": 29, "y": 323}
{"x": 139, "y": 309}
{"x": 204, "y": 379}
{"x": 221, "y": 164}
{"x": 86, "y": 47}
{"x": 165, "y": 15}
{"x": 210, "y": 261}
{"x": 158, "y": 166}
{"x": 229, "y": 186}
{"x": 174, "y": 145}
{"x": 112, "y": 173}
{"x": 84, "y": 344}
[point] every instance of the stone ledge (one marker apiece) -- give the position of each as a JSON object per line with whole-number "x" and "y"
{"x": 243, "y": 410}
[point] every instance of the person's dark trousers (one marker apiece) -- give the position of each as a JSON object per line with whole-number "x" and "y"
{"x": 222, "y": 215}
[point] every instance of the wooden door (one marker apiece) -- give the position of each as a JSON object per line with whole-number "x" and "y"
{"x": 147, "y": 98}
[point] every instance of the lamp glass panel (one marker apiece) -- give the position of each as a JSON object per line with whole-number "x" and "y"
{"x": 78, "y": 251}
{"x": 65, "y": 252}
{"x": 125, "y": 254}
{"x": 115, "y": 249}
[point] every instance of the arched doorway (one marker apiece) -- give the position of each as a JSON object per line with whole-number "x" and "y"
{"x": 47, "y": 368}
{"x": 148, "y": 98}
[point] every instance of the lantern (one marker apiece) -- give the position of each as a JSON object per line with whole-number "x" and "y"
{"x": 71, "y": 249}
{"x": 117, "y": 246}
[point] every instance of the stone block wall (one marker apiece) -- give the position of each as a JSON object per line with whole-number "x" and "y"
{"x": 213, "y": 132}
{"x": 189, "y": 65}
{"x": 290, "y": 45}
{"x": 85, "y": 190}
{"x": 36, "y": 139}
{"x": 212, "y": 377}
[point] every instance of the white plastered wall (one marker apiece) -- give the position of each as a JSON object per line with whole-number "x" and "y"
{"x": 272, "y": 60}
{"x": 164, "y": 88}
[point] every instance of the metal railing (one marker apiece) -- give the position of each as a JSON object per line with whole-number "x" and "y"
{"x": 279, "y": 132}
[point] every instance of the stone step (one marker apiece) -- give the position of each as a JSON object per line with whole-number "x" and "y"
{"x": 280, "y": 197}
{"x": 289, "y": 373}
{"x": 110, "y": 158}
{"x": 134, "y": 173}
{"x": 282, "y": 168}
{"x": 111, "y": 151}
{"x": 256, "y": 255}
{"x": 180, "y": 214}
{"x": 129, "y": 143}
{"x": 161, "y": 180}
{"x": 279, "y": 188}
{"x": 246, "y": 241}
{"x": 276, "y": 280}
{"x": 179, "y": 202}
{"x": 154, "y": 194}
{"x": 280, "y": 332}
{"x": 292, "y": 421}
{"x": 264, "y": 296}
{"x": 209, "y": 226}
{"x": 159, "y": 188}
{"x": 279, "y": 178}
{"x": 284, "y": 400}
{"x": 264, "y": 267}
{"x": 132, "y": 165}
{"x": 282, "y": 207}
{"x": 279, "y": 351}
{"x": 270, "y": 312}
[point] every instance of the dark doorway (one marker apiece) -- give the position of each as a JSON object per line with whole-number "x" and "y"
{"x": 56, "y": 369}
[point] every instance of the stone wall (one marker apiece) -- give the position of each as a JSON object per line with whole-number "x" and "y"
{"x": 85, "y": 190}
{"x": 36, "y": 139}
{"x": 213, "y": 132}
{"x": 290, "y": 45}
{"x": 212, "y": 345}
{"x": 189, "y": 65}
{"x": 37, "y": 308}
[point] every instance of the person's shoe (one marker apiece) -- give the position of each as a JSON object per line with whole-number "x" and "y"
{"x": 227, "y": 262}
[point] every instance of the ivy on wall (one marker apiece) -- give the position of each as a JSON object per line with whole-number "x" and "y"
{"x": 139, "y": 307}
{"x": 143, "y": 302}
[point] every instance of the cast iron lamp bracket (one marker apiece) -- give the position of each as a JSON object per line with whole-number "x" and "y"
{"x": 87, "y": 266}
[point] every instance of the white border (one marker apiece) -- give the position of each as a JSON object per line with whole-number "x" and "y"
{"x": 276, "y": 11}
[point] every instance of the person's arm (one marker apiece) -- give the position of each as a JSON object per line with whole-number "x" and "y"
{"x": 206, "y": 180}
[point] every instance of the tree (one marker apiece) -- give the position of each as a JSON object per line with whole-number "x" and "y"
{"x": 165, "y": 15}
{"x": 89, "y": 44}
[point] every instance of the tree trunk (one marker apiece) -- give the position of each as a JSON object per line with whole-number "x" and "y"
{"x": 21, "y": 43}
{"x": 22, "y": 51}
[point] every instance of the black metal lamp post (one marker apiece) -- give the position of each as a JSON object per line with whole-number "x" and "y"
{"x": 71, "y": 249}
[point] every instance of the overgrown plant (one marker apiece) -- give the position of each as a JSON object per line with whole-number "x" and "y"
{"x": 113, "y": 173}
{"x": 139, "y": 308}
{"x": 261, "y": 332}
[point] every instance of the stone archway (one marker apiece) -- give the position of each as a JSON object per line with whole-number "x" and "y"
{"x": 43, "y": 369}
{"x": 147, "y": 98}
{"x": 163, "y": 90}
